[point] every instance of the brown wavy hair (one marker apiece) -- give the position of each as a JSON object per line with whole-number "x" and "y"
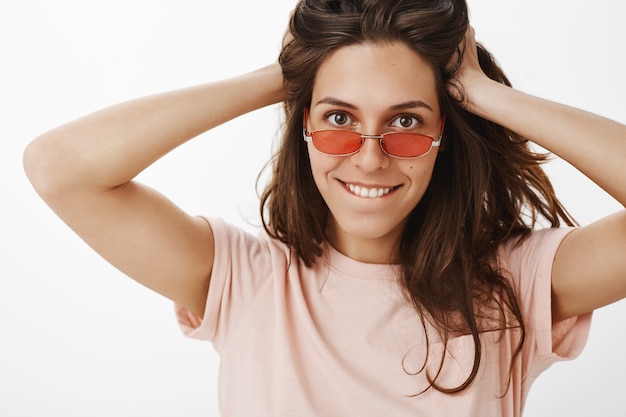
{"x": 488, "y": 186}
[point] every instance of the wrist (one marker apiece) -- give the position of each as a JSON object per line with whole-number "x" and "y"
{"x": 482, "y": 96}
{"x": 270, "y": 78}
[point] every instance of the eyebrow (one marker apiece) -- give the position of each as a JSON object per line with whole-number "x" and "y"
{"x": 406, "y": 105}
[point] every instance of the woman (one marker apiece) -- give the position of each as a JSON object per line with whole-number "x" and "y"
{"x": 399, "y": 273}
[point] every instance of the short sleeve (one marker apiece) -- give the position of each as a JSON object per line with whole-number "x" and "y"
{"x": 240, "y": 269}
{"x": 530, "y": 264}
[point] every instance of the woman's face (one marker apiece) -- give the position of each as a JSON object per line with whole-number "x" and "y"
{"x": 372, "y": 89}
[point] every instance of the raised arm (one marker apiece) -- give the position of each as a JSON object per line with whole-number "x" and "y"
{"x": 590, "y": 266}
{"x": 84, "y": 170}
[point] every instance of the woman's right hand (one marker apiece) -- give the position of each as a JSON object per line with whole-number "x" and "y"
{"x": 470, "y": 75}
{"x": 288, "y": 37}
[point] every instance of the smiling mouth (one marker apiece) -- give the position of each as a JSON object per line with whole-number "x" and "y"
{"x": 365, "y": 192}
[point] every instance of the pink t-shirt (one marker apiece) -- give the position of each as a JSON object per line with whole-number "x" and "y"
{"x": 339, "y": 339}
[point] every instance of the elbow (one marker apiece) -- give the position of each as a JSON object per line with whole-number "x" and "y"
{"x": 42, "y": 167}
{"x": 32, "y": 161}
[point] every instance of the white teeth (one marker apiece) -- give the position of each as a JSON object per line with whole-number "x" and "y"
{"x": 368, "y": 192}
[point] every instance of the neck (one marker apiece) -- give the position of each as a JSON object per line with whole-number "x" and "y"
{"x": 377, "y": 250}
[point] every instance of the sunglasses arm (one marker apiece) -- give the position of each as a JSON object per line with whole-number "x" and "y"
{"x": 437, "y": 141}
{"x": 306, "y": 136}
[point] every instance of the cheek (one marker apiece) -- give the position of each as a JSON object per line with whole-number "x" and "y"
{"x": 316, "y": 166}
{"x": 420, "y": 167}
{"x": 420, "y": 173}
{"x": 321, "y": 163}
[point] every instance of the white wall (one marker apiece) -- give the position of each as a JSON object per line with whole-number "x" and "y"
{"x": 78, "y": 338}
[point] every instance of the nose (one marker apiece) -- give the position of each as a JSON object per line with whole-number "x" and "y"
{"x": 371, "y": 156}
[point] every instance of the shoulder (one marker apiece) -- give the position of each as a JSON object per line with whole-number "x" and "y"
{"x": 226, "y": 232}
{"x": 527, "y": 261}
{"x": 533, "y": 251}
{"x": 234, "y": 244}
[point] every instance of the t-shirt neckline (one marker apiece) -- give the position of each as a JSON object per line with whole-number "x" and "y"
{"x": 349, "y": 267}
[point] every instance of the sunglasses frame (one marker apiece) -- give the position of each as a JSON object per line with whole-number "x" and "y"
{"x": 435, "y": 141}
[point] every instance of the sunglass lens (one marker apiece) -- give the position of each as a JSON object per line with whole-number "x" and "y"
{"x": 406, "y": 146}
{"x": 336, "y": 142}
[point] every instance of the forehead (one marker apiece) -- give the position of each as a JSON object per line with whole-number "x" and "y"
{"x": 376, "y": 75}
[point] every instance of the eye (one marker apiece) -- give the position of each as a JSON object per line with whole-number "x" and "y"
{"x": 338, "y": 119}
{"x": 406, "y": 121}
